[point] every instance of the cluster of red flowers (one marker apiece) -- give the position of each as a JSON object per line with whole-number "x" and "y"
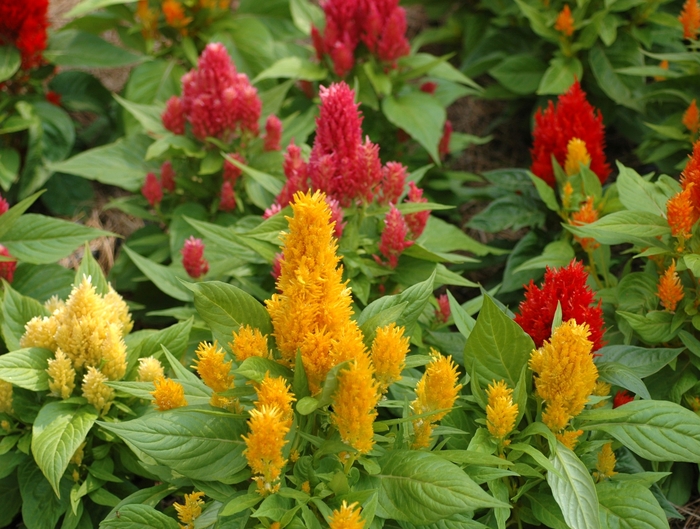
{"x": 193, "y": 258}
{"x": 153, "y": 188}
{"x": 568, "y": 286}
{"x": 23, "y": 24}
{"x": 573, "y": 117}
{"x": 216, "y": 100}
{"x": 379, "y": 24}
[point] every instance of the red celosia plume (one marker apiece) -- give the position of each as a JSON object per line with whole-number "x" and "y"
{"x": 193, "y": 258}
{"x": 23, "y": 24}
{"x": 568, "y": 286}
{"x": 152, "y": 189}
{"x": 572, "y": 117}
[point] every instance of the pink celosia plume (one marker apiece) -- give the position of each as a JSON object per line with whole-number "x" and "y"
{"x": 193, "y": 258}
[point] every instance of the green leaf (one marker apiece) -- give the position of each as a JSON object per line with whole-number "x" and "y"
{"x": 305, "y": 14}
{"x": 175, "y": 338}
{"x": 26, "y": 368}
{"x": 169, "y": 280}
{"x": 255, "y": 368}
{"x": 656, "y": 430}
{"x": 79, "y": 49}
{"x": 293, "y": 68}
{"x": 86, "y": 6}
{"x": 58, "y": 431}
{"x": 240, "y": 504}
{"x": 269, "y": 182}
{"x": 546, "y": 510}
{"x": 41, "y": 509}
{"x": 560, "y": 75}
{"x": 9, "y": 167}
{"x": 41, "y": 240}
{"x": 423, "y": 488}
{"x": 89, "y": 267}
{"x": 623, "y": 376}
{"x": 574, "y": 490}
{"x": 654, "y": 327}
{"x": 225, "y": 308}
{"x": 546, "y": 193}
{"x": 10, "y": 61}
{"x": 147, "y": 115}
{"x": 420, "y": 115}
{"x": 17, "y": 310}
{"x": 555, "y": 254}
{"x": 642, "y": 361}
{"x": 629, "y": 505}
{"x": 119, "y": 164}
{"x": 139, "y": 517}
{"x": 10, "y": 217}
{"x": 520, "y": 73}
{"x": 635, "y": 227}
{"x": 609, "y": 81}
{"x": 497, "y": 348}
{"x": 195, "y": 444}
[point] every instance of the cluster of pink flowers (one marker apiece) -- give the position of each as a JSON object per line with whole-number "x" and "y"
{"x": 193, "y": 258}
{"x": 153, "y": 188}
{"x": 216, "y": 100}
{"x": 379, "y": 24}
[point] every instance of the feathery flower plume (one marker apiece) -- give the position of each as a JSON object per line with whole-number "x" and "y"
{"x": 622, "y": 397}
{"x": 443, "y": 312}
{"x": 691, "y": 175}
{"x": 191, "y": 510}
{"x": 576, "y": 155}
{"x": 227, "y": 198}
{"x": 573, "y": 117}
{"x": 148, "y": 18}
{"x": 690, "y": 19}
{"x": 436, "y": 390}
{"x": 264, "y": 446}
{"x": 606, "y": 463}
{"x": 168, "y": 394}
{"x": 40, "y": 332}
{"x": 393, "y": 182}
{"x": 347, "y": 517}
{"x": 416, "y": 222}
{"x": 312, "y": 308}
{"x": 113, "y": 364}
{"x": 354, "y": 404}
{"x": 565, "y": 22}
{"x": 568, "y": 286}
{"x": 501, "y": 412}
{"x": 173, "y": 117}
{"x": 273, "y": 133}
{"x": 565, "y": 375}
{"x": 585, "y": 215}
{"x": 61, "y": 375}
{"x": 670, "y": 290}
{"x": 444, "y": 145}
{"x": 389, "y": 350}
{"x": 7, "y": 268}
{"x": 295, "y": 169}
{"x": 97, "y": 393}
{"x": 23, "y": 24}
{"x": 167, "y": 176}
{"x": 275, "y": 392}
{"x": 681, "y": 213}
{"x": 5, "y": 397}
{"x": 4, "y": 205}
{"x": 193, "y": 258}
{"x": 150, "y": 369}
{"x": 249, "y": 342}
{"x": 232, "y": 172}
{"x": 215, "y": 373}
{"x": 54, "y": 303}
{"x": 175, "y": 15}
{"x": 394, "y": 237}
{"x": 152, "y": 190}
{"x": 691, "y": 117}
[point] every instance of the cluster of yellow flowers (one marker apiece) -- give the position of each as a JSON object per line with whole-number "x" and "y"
{"x": 565, "y": 377}
{"x": 501, "y": 412}
{"x": 86, "y": 334}
{"x": 191, "y": 510}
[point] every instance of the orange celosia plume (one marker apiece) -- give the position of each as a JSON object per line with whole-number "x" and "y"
{"x": 670, "y": 290}
{"x": 690, "y": 18}
{"x": 585, "y": 215}
{"x": 681, "y": 213}
{"x": 691, "y": 117}
{"x": 565, "y": 22}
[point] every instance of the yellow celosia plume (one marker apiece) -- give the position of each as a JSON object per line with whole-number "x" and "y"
{"x": 347, "y": 517}
{"x": 150, "y": 369}
{"x": 191, "y": 510}
{"x": 215, "y": 373}
{"x": 61, "y": 375}
{"x": 501, "y": 412}
{"x": 267, "y": 429}
{"x": 576, "y": 154}
{"x": 168, "y": 394}
{"x": 274, "y": 391}
{"x": 5, "y": 397}
{"x": 97, "y": 393}
{"x": 389, "y": 350}
{"x": 606, "y": 463}
{"x": 249, "y": 342}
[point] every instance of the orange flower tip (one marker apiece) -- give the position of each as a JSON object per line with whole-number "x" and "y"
{"x": 565, "y": 22}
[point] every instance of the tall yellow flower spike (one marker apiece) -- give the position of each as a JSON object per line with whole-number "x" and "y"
{"x": 113, "y": 352}
{"x": 97, "y": 393}
{"x": 565, "y": 374}
{"x": 354, "y": 404}
{"x": 312, "y": 310}
{"x": 389, "y": 350}
{"x": 606, "y": 463}
{"x": 264, "y": 447}
{"x": 215, "y": 373}
{"x": 576, "y": 154}
{"x": 168, "y": 394}
{"x": 249, "y": 342}
{"x": 274, "y": 391}
{"x": 61, "y": 376}
{"x": 501, "y": 412}
{"x": 191, "y": 510}
{"x": 5, "y": 397}
{"x": 347, "y": 517}
{"x": 437, "y": 389}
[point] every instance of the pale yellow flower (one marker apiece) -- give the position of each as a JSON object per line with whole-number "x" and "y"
{"x": 61, "y": 375}
{"x": 150, "y": 369}
{"x": 97, "y": 393}
{"x": 40, "y": 332}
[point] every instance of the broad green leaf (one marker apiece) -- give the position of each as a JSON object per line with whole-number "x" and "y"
{"x": 636, "y": 227}
{"x": 9, "y": 167}
{"x": 642, "y": 361}
{"x": 441, "y": 237}
{"x": 420, "y": 115}
{"x": 269, "y": 182}
{"x": 41, "y": 240}
{"x": 623, "y": 376}
{"x": 10, "y": 61}
{"x": 175, "y": 338}
{"x": 80, "y": 49}
{"x": 653, "y": 327}
{"x": 41, "y": 509}
{"x": 656, "y": 430}
{"x": 147, "y": 115}
{"x": 546, "y": 193}
{"x": 305, "y": 14}
{"x": 423, "y": 488}
{"x": 636, "y": 194}
{"x": 139, "y": 517}
{"x": 26, "y": 368}
{"x": 240, "y": 504}
{"x": 609, "y": 81}
{"x": 193, "y": 443}
{"x": 573, "y": 490}
{"x": 17, "y": 310}
{"x": 169, "y": 280}
{"x": 520, "y": 73}
{"x": 10, "y": 217}
{"x": 437, "y": 67}
{"x": 89, "y": 267}
{"x": 225, "y": 308}
{"x": 629, "y": 505}
{"x": 149, "y": 496}
{"x": 43, "y": 281}
{"x": 560, "y": 75}
{"x": 119, "y": 164}
{"x": 636, "y": 292}
{"x": 555, "y": 254}
{"x": 497, "y": 348}
{"x": 58, "y": 431}
{"x": 293, "y": 68}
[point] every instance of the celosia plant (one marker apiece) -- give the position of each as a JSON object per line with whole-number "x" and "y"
{"x": 23, "y": 25}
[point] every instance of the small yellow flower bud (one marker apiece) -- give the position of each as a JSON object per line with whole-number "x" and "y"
{"x": 150, "y": 369}
{"x": 97, "y": 393}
